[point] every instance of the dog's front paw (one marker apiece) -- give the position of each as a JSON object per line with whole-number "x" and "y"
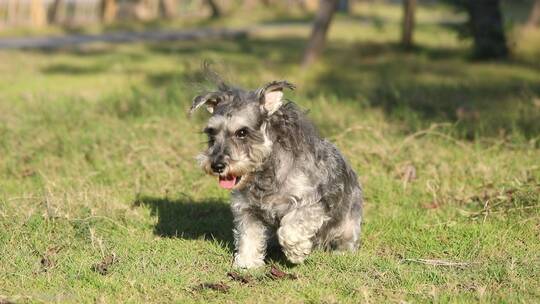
{"x": 247, "y": 263}
{"x": 298, "y": 252}
{"x": 295, "y": 247}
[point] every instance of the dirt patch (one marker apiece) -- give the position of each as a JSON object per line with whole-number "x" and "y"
{"x": 221, "y": 287}
{"x": 104, "y": 266}
{"x": 277, "y": 274}
{"x": 490, "y": 200}
{"x": 235, "y": 276}
{"x": 48, "y": 259}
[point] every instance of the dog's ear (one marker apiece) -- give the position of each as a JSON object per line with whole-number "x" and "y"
{"x": 271, "y": 95}
{"x": 210, "y": 100}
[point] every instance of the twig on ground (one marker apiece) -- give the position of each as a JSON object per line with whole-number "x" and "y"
{"x": 434, "y": 262}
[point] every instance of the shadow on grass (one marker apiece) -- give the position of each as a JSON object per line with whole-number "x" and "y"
{"x": 189, "y": 219}
{"x": 208, "y": 219}
{"x": 432, "y": 85}
{"x": 74, "y": 69}
{"x": 286, "y": 50}
{"x": 417, "y": 87}
{"x": 287, "y": 20}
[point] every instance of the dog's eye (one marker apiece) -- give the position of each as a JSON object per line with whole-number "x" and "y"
{"x": 242, "y": 133}
{"x": 209, "y": 131}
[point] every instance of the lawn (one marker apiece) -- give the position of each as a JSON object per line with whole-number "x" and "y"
{"x": 101, "y": 199}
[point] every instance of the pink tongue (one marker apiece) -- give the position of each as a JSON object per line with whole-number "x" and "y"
{"x": 227, "y": 182}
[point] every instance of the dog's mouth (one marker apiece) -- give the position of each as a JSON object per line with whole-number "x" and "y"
{"x": 229, "y": 182}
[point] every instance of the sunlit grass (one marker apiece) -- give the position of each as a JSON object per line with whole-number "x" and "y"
{"x": 97, "y": 157}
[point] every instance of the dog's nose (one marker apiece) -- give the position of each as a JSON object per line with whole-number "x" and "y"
{"x": 218, "y": 167}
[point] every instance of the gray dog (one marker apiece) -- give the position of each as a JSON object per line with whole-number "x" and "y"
{"x": 286, "y": 181}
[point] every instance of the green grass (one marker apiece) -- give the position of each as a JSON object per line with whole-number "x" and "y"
{"x": 97, "y": 157}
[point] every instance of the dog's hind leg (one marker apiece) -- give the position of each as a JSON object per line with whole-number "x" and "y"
{"x": 297, "y": 230}
{"x": 347, "y": 233}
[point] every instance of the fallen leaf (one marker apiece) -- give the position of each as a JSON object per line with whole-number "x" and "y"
{"x": 103, "y": 266}
{"x": 235, "y": 276}
{"x": 214, "y": 286}
{"x": 432, "y": 205}
{"x": 46, "y": 263}
{"x": 278, "y": 274}
{"x": 28, "y": 172}
{"x": 47, "y": 259}
{"x": 536, "y": 102}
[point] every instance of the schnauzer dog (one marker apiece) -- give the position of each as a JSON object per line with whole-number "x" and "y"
{"x": 287, "y": 182}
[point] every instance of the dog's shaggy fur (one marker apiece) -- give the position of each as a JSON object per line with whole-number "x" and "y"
{"x": 286, "y": 180}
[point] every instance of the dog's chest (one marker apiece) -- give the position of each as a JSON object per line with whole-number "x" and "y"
{"x": 275, "y": 191}
{"x": 270, "y": 208}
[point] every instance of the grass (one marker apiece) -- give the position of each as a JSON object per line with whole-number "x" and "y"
{"x": 97, "y": 158}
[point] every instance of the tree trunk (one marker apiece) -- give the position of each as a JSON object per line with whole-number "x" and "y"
{"x": 409, "y": 8}
{"x": 487, "y": 29}
{"x": 534, "y": 17}
{"x": 12, "y": 10}
{"x": 37, "y": 13}
{"x": 318, "y": 33}
{"x": 343, "y": 6}
{"x": 55, "y": 12}
{"x": 215, "y": 12}
{"x": 249, "y": 4}
{"x": 108, "y": 10}
{"x": 167, "y": 8}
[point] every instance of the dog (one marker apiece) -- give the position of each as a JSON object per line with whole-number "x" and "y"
{"x": 286, "y": 181}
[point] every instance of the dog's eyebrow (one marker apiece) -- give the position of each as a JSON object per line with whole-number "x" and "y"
{"x": 238, "y": 122}
{"x": 209, "y": 131}
{"x": 216, "y": 121}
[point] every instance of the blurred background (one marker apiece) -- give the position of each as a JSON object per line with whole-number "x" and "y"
{"x": 473, "y": 63}
{"x": 436, "y": 104}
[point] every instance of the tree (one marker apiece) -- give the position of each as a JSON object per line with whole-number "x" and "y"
{"x": 108, "y": 10}
{"x": 318, "y": 33}
{"x": 167, "y": 8}
{"x": 214, "y": 9}
{"x": 12, "y": 12}
{"x": 534, "y": 17}
{"x": 409, "y": 8}
{"x": 55, "y": 12}
{"x": 37, "y": 13}
{"x": 343, "y": 6}
{"x": 486, "y": 25}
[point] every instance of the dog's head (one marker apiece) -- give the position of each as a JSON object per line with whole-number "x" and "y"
{"x": 238, "y": 143}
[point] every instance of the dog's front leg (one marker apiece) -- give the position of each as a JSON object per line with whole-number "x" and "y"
{"x": 297, "y": 230}
{"x": 250, "y": 236}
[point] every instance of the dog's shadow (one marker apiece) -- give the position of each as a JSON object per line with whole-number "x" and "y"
{"x": 189, "y": 219}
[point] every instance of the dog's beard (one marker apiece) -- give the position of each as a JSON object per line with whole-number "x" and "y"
{"x": 239, "y": 168}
